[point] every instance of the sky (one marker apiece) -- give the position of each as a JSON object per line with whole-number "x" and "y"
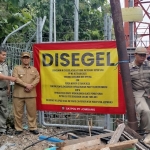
{"x": 122, "y": 3}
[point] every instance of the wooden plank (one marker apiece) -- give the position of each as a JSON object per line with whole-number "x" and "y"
{"x": 121, "y": 145}
{"x": 117, "y": 146}
{"x": 82, "y": 142}
{"x": 87, "y": 138}
{"x": 117, "y": 134}
{"x": 94, "y": 147}
{"x": 77, "y": 146}
{"x": 107, "y": 148}
{"x": 138, "y": 145}
{"x": 98, "y": 147}
{"x": 131, "y": 131}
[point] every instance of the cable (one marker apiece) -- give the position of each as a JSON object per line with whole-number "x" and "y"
{"x": 47, "y": 138}
{"x": 64, "y": 132}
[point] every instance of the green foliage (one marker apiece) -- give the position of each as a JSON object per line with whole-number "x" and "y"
{"x": 14, "y": 13}
{"x": 90, "y": 19}
{"x": 11, "y": 18}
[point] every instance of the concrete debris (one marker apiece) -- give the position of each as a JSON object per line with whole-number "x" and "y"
{"x": 6, "y": 146}
{"x": 123, "y": 138}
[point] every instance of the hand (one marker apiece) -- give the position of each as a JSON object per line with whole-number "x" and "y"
{"x": 29, "y": 87}
{"x": 27, "y": 90}
{"x": 148, "y": 96}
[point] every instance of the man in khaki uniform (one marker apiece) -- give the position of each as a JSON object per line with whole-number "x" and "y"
{"x": 140, "y": 78}
{"x": 27, "y": 77}
{"x": 4, "y": 90}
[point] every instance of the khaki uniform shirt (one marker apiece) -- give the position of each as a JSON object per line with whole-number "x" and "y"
{"x": 25, "y": 76}
{"x": 140, "y": 78}
{"x": 4, "y": 71}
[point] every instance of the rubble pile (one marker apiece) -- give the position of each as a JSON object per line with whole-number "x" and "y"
{"x": 50, "y": 138}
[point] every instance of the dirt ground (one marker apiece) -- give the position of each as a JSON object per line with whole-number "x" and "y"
{"x": 12, "y": 142}
{"x": 20, "y": 142}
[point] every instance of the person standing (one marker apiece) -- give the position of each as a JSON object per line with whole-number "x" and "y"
{"x": 27, "y": 77}
{"x": 140, "y": 79}
{"x": 4, "y": 90}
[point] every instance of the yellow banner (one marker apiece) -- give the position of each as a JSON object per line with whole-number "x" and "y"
{"x": 79, "y": 77}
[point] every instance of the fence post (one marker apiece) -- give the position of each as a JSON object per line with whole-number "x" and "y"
{"x": 51, "y": 21}
{"x": 76, "y": 20}
{"x": 40, "y": 24}
{"x": 109, "y": 19}
{"x": 105, "y": 27}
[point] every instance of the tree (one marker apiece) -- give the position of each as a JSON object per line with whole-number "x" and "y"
{"x": 11, "y": 18}
{"x": 90, "y": 19}
{"x": 19, "y": 12}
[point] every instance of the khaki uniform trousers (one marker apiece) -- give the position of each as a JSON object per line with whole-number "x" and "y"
{"x": 18, "y": 109}
{"x": 3, "y": 110}
{"x": 143, "y": 112}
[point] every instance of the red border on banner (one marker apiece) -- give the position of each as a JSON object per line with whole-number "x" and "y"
{"x": 79, "y": 46}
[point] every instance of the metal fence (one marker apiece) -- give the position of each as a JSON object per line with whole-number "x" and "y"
{"x": 13, "y": 58}
{"x": 104, "y": 27}
{"x": 59, "y": 119}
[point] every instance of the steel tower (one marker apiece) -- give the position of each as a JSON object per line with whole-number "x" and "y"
{"x": 141, "y": 29}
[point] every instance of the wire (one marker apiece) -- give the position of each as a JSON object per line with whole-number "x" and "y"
{"x": 47, "y": 138}
{"x": 94, "y": 132}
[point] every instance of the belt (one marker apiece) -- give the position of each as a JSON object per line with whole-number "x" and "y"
{"x": 3, "y": 89}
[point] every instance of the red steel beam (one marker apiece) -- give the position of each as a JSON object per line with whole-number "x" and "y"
{"x": 138, "y": 26}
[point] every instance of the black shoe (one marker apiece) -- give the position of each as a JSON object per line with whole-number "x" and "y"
{"x": 35, "y": 132}
{"x": 2, "y": 133}
{"x": 18, "y": 132}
